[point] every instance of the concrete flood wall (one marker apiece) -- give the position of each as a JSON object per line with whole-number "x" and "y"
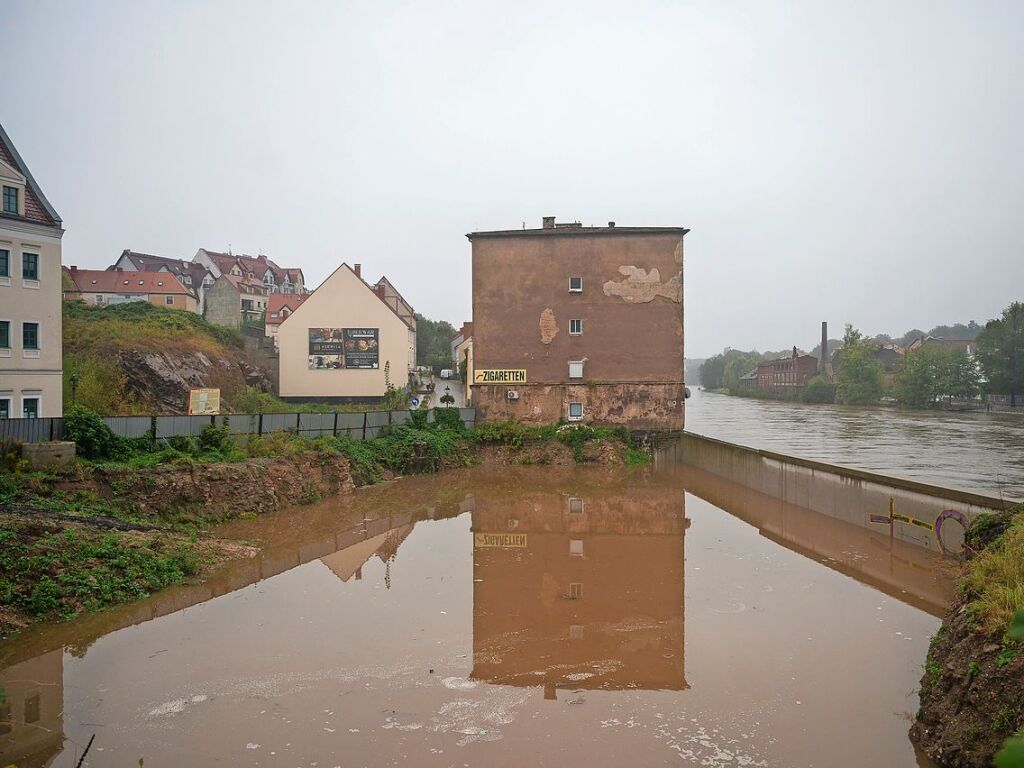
{"x": 927, "y": 515}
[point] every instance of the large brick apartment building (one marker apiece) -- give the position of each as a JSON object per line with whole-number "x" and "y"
{"x": 579, "y": 323}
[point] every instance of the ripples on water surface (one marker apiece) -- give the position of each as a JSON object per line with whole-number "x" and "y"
{"x": 526, "y": 617}
{"x": 972, "y": 451}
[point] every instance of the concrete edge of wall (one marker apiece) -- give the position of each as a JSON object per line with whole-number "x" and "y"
{"x": 927, "y": 489}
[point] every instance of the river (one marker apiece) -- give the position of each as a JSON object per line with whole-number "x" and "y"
{"x": 972, "y": 451}
{"x": 503, "y": 617}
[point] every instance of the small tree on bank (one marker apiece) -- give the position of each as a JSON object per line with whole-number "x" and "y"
{"x": 1001, "y": 352}
{"x": 861, "y": 376}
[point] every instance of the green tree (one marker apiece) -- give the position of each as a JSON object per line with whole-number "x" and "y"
{"x": 434, "y": 343}
{"x": 921, "y": 376}
{"x": 1001, "y": 353}
{"x": 962, "y": 379}
{"x": 861, "y": 375}
{"x": 818, "y": 390}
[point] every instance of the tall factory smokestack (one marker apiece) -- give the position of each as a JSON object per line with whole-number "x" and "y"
{"x": 824, "y": 346}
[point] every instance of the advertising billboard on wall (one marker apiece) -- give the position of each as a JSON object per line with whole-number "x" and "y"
{"x": 341, "y": 348}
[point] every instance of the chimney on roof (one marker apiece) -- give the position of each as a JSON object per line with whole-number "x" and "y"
{"x": 611, "y": 225}
{"x": 358, "y": 269}
{"x": 824, "y": 346}
{"x": 794, "y": 351}
{"x": 74, "y": 270}
{"x": 548, "y": 222}
{"x": 381, "y": 290}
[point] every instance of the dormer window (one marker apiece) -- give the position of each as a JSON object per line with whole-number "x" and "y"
{"x": 10, "y": 199}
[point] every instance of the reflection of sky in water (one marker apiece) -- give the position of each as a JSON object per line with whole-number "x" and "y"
{"x": 972, "y": 451}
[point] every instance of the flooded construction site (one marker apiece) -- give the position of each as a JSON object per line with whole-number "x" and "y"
{"x": 497, "y": 617}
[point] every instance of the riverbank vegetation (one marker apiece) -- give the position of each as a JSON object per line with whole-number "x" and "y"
{"x": 133, "y": 515}
{"x": 972, "y": 700}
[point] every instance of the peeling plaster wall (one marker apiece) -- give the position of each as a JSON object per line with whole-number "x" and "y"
{"x": 637, "y": 406}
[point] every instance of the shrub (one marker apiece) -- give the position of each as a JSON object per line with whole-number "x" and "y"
{"x": 448, "y": 418}
{"x": 818, "y": 390}
{"x": 216, "y": 438}
{"x": 93, "y": 438}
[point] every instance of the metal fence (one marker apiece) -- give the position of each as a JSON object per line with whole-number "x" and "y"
{"x": 359, "y": 426}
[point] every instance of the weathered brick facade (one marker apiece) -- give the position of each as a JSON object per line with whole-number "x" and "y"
{"x": 608, "y": 299}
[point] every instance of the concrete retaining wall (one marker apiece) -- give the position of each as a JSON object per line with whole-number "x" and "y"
{"x": 927, "y": 515}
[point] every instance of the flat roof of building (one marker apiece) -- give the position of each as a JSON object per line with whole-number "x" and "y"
{"x": 571, "y": 229}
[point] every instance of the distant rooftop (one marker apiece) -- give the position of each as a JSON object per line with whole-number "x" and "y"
{"x": 549, "y": 228}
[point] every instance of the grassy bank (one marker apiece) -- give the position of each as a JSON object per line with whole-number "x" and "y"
{"x": 133, "y": 515}
{"x": 972, "y": 697}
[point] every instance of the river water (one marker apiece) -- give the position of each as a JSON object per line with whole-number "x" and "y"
{"x": 532, "y": 616}
{"x": 981, "y": 452}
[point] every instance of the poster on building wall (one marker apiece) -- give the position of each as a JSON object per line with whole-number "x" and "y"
{"x": 338, "y": 348}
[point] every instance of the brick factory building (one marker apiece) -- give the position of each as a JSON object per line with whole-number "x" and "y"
{"x": 787, "y": 373}
{"x": 579, "y": 324}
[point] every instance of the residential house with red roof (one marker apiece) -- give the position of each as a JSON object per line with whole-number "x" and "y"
{"x": 193, "y": 275}
{"x": 346, "y": 342}
{"x": 277, "y": 279}
{"x": 31, "y": 351}
{"x": 117, "y": 286}
{"x": 279, "y": 307}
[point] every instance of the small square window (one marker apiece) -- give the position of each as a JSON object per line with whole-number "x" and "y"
{"x": 30, "y": 266}
{"x": 99, "y": 298}
{"x": 168, "y": 299}
{"x": 5, "y": 263}
{"x": 575, "y": 631}
{"x": 575, "y": 285}
{"x": 575, "y": 369}
{"x": 575, "y": 411}
{"x": 30, "y": 335}
{"x": 5, "y": 334}
{"x": 575, "y": 327}
{"x": 11, "y": 200}
{"x": 575, "y": 546}
{"x": 575, "y": 506}
{"x": 575, "y": 590}
{"x": 30, "y": 407}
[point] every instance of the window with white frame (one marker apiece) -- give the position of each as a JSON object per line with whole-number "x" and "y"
{"x": 5, "y": 262}
{"x": 5, "y": 406}
{"x": 575, "y": 411}
{"x": 576, "y": 284}
{"x": 5, "y": 334}
{"x": 30, "y": 336}
{"x": 575, "y": 590}
{"x": 575, "y": 369}
{"x": 29, "y": 266}
{"x": 576, "y": 547}
{"x": 575, "y": 505}
{"x": 575, "y": 327}
{"x": 30, "y": 407}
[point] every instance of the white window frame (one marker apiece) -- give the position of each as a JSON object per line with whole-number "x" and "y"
{"x": 38, "y": 397}
{"x": 579, "y": 369}
{"x": 580, "y": 288}
{"x": 27, "y": 351}
{"x": 6, "y": 279}
{"x": 574, "y": 502}
{"x": 579, "y": 326}
{"x": 169, "y": 299}
{"x": 30, "y": 282}
{"x": 576, "y": 547}
{"x": 569, "y": 412}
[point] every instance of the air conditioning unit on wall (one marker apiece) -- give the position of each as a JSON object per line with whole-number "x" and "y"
{"x": 512, "y": 395}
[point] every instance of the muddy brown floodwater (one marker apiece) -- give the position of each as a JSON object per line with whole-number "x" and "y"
{"x": 522, "y": 617}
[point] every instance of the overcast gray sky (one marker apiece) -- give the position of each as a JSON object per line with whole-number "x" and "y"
{"x": 855, "y": 161}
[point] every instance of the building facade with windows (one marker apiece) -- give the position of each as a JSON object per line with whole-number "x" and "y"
{"x": 787, "y": 374}
{"x": 582, "y": 324}
{"x": 274, "y": 278}
{"x": 30, "y": 293}
{"x": 115, "y": 286}
{"x": 194, "y": 276}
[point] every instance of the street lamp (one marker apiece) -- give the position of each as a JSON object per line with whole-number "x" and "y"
{"x": 74, "y": 388}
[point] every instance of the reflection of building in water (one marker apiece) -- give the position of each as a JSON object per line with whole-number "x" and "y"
{"x": 31, "y": 711}
{"x": 579, "y": 592}
{"x": 349, "y": 562}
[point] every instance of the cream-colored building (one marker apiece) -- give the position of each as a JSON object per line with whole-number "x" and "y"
{"x": 339, "y": 343}
{"x": 30, "y": 293}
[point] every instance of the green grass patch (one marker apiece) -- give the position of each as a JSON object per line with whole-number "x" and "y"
{"x": 993, "y": 580}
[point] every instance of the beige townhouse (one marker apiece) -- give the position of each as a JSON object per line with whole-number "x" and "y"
{"x": 30, "y": 293}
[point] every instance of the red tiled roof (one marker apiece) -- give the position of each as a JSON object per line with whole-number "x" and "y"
{"x": 256, "y": 286}
{"x": 112, "y": 281}
{"x": 277, "y": 302}
{"x": 34, "y": 209}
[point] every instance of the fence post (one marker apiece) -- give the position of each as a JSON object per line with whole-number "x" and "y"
{"x": 298, "y": 418}
{"x": 364, "y": 425}
{"x": 152, "y": 428}
{"x": 259, "y": 425}
{"x": 335, "y": 423}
